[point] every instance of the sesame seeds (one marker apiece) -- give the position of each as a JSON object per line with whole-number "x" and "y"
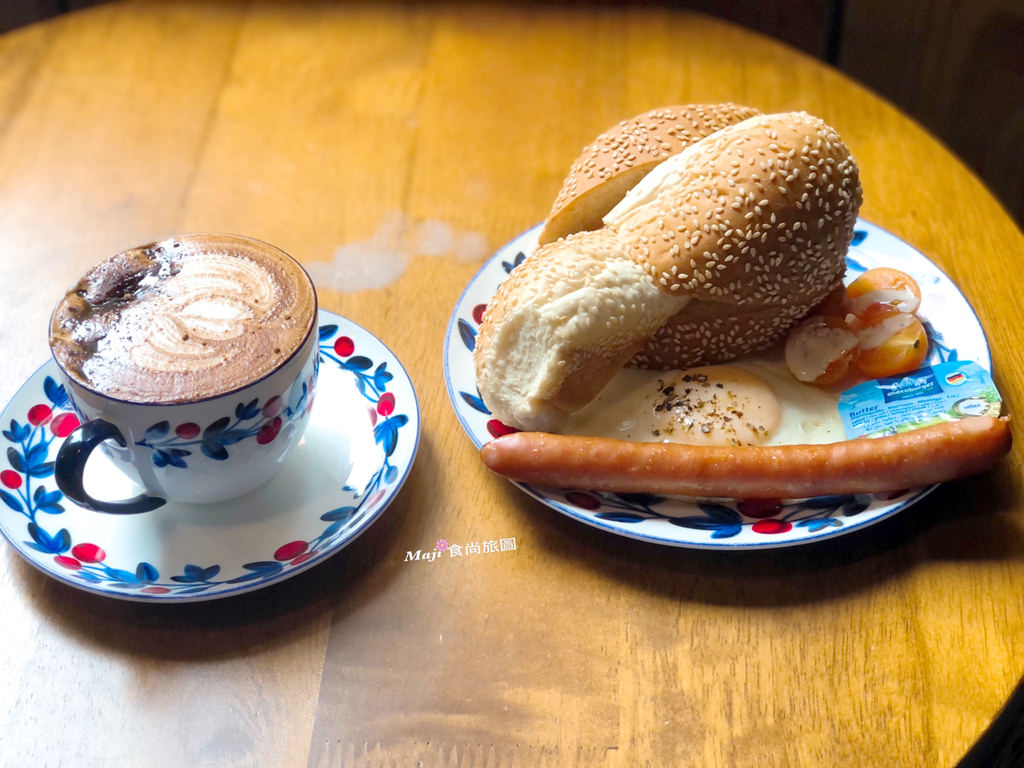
{"x": 627, "y": 152}
{"x": 759, "y": 221}
{"x": 750, "y": 240}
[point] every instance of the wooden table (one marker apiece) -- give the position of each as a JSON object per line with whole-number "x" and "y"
{"x": 429, "y": 135}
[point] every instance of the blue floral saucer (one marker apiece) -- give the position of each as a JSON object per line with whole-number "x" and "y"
{"x": 357, "y": 451}
{"x": 954, "y": 334}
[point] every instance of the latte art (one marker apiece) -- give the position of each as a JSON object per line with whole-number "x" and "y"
{"x": 208, "y": 304}
{"x": 184, "y": 319}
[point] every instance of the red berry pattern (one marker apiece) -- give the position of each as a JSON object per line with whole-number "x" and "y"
{"x": 188, "y": 430}
{"x": 269, "y": 431}
{"x": 64, "y": 424}
{"x": 88, "y": 553}
{"x": 583, "y": 500}
{"x": 772, "y": 527}
{"x": 273, "y": 407}
{"x": 386, "y": 404}
{"x": 759, "y": 508}
{"x": 497, "y": 428}
{"x": 34, "y": 439}
{"x": 39, "y": 414}
{"x": 290, "y": 550}
{"x": 344, "y": 346}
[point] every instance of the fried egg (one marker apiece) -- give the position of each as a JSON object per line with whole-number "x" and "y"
{"x": 755, "y": 401}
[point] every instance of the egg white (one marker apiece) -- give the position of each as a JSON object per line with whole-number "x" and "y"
{"x": 632, "y": 407}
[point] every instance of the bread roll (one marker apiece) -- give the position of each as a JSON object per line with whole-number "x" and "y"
{"x": 617, "y": 159}
{"x": 565, "y": 320}
{"x": 753, "y": 223}
{"x": 714, "y": 254}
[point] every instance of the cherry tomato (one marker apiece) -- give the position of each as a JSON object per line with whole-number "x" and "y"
{"x": 886, "y": 286}
{"x": 874, "y": 314}
{"x": 891, "y": 342}
{"x": 820, "y": 350}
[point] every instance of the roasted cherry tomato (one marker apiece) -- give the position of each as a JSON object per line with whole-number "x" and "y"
{"x": 891, "y": 342}
{"x": 820, "y": 350}
{"x": 883, "y": 285}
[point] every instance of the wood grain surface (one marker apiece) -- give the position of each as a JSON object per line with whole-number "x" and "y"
{"x": 422, "y": 137}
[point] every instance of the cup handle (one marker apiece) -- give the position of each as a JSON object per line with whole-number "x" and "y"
{"x": 69, "y": 468}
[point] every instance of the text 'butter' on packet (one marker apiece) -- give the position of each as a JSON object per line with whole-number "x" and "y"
{"x": 944, "y": 392}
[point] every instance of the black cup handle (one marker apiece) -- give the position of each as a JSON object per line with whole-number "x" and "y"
{"x": 69, "y": 469}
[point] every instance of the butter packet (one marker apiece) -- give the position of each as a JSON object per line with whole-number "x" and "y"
{"x": 943, "y": 392}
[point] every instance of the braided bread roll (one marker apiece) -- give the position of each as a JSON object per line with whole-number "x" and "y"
{"x": 753, "y": 224}
{"x": 713, "y": 254}
{"x": 617, "y": 159}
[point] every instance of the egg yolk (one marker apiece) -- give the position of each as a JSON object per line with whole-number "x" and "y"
{"x": 753, "y": 402}
{"x": 714, "y": 405}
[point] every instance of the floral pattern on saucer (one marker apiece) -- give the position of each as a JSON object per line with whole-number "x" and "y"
{"x": 954, "y": 334}
{"x": 95, "y": 551}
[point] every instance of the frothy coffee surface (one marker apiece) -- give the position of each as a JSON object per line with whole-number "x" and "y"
{"x": 183, "y": 319}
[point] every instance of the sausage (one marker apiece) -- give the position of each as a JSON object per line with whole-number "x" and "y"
{"x": 921, "y": 457}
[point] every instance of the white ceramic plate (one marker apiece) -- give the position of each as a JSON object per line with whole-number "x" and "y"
{"x": 954, "y": 332}
{"x": 357, "y": 451}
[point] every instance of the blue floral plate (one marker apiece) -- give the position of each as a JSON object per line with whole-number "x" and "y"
{"x": 357, "y": 451}
{"x": 954, "y": 333}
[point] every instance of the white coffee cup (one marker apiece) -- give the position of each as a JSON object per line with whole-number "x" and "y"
{"x": 191, "y": 448}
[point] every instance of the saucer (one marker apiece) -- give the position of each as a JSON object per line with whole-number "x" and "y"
{"x": 954, "y": 334}
{"x": 352, "y": 460}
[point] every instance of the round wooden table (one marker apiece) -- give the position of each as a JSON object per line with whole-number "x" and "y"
{"x": 411, "y": 141}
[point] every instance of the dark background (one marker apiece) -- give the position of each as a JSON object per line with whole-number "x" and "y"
{"x": 956, "y": 66}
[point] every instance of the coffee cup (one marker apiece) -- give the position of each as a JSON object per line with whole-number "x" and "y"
{"x": 191, "y": 363}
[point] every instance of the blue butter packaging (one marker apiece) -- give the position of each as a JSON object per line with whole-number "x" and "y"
{"x": 943, "y": 392}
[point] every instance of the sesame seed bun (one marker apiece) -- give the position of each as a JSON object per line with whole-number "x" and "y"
{"x": 617, "y": 159}
{"x": 752, "y": 222}
{"x": 712, "y": 255}
{"x": 707, "y": 332}
{"x": 559, "y": 327}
